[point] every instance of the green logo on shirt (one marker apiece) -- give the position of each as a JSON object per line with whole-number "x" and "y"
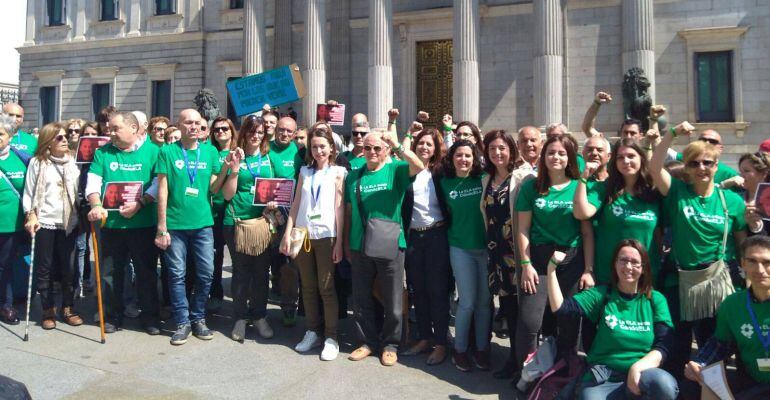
{"x": 453, "y": 194}
{"x": 114, "y": 166}
{"x": 540, "y": 203}
{"x": 747, "y": 330}
{"x": 611, "y": 321}
{"x": 179, "y": 164}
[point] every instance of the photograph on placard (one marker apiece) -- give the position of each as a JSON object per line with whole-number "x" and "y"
{"x": 278, "y": 190}
{"x": 87, "y": 146}
{"x": 117, "y": 194}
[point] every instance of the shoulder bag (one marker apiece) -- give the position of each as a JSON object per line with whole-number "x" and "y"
{"x": 251, "y": 236}
{"x": 380, "y": 236}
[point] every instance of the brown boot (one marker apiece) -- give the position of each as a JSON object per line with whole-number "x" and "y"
{"x": 49, "y": 318}
{"x": 70, "y": 317}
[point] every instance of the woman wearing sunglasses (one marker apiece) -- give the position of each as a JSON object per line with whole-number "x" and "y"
{"x": 157, "y": 130}
{"x": 74, "y": 128}
{"x": 633, "y": 328}
{"x": 50, "y": 203}
{"x": 707, "y": 224}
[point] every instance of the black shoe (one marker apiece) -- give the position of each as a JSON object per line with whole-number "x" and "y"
{"x": 111, "y": 327}
{"x": 9, "y": 316}
{"x": 201, "y": 331}
{"x": 461, "y": 361}
{"x": 152, "y": 329}
{"x": 506, "y": 372}
{"x": 180, "y": 336}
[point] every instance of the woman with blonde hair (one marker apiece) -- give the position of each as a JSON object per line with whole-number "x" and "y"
{"x": 50, "y": 204}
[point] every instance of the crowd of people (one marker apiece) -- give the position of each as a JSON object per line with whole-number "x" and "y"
{"x": 623, "y": 248}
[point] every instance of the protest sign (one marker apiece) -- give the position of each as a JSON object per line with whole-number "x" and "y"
{"x": 117, "y": 194}
{"x": 333, "y": 115}
{"x": 273, "y": 189}
{"x": 762, "y": 200}
{"x": 87, "y": 146}
{"x": 275, "y": 87}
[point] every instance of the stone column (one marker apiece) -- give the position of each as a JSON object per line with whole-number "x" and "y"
{"x": 282, "y": 43}
{"x": 465, "y": 85}
{"x": 314, "y": 72}
{"x": 253, "y": 36}
{"x": 548, "y": 63}
{"x": 29, "y": 38}
{"x": 380, "y": 70}
{"x": 80, "y": 22}
{"x": 338, "y": 76}
{"x": 135, "y": 18}
{"x": 638, "y": 38}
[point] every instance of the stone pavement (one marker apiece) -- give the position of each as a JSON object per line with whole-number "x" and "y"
{"x": 70, "y": 363}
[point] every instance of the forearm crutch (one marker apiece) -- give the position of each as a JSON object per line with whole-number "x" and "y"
{"x": 29, "y": 286}
{"x": 98, "y": 283}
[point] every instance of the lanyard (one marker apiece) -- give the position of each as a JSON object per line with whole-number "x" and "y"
{"x": 259, "y": 166}
{"x": 764, "y": 338}
{"x": 315, "y": 192}
{"x": 194, "y": 171}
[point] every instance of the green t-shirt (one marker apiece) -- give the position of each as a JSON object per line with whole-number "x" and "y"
{"x": 15, "y": 171}
{"x": 627, "y": 217}
{"x": 625, "y": 328}
{"x": 286, "y": 161}
{"x": 186, "y": 209}
{"x": 723, "y": 173}
{"x": 115, "y": 165}
{"x": 243, "y": 201}
{"x": 581, "y": 162}
{"x": 697, "y": 224}
{"x": 25, "y": 142}
{"x": 382, "y": 193}
{"x": 463, "y": 196}
{"x": 552, "y": 219}
{"x": 734, "y": 325}
{"x": 218, "y": 202}
{"x": 355, "y": 162}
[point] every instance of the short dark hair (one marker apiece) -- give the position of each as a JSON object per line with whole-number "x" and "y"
{"x": 449, "y": 166}
{"x": 490, "y": 137}
{"x": 755, "y": 241}
{"x": 630, "y": 121}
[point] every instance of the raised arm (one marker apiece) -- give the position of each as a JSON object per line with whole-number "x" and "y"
{"x": 415, "y": 164}
{"x": 660, "y": 176}
{"x": 593, "y": 110}
{"x": 555, "y": 297}
{"x": 581, "y": 208}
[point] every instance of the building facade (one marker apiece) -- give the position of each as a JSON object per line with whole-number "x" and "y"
{"x": 499, "y": 63}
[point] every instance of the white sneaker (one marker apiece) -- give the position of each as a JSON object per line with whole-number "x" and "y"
{"x": 330, "y": 351}
{"x": 308, "y": 342}
{"x": 264, "y": 328}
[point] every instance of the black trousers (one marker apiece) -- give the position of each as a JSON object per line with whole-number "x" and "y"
{"x": 217, "y": 291}
{"x": 533, "y": 306}
{"x": 509, "y": 307}
{"x": 55, "y": 258}
{"x": 119, "y": 248}
{"x": 250, "y": 281}
{"x": 427, "y": 271}
{"x": 390, "y": 278}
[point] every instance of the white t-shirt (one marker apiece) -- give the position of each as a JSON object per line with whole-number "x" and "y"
{"x": 316, "y": 209}
{"x": 426, "y": 210}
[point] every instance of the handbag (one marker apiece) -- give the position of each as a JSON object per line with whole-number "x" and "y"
{"x": 702, "y": 291}
{"x": 251, "y": 236}
{"x": 380, "y": 236}
{"x": 299, "y": 239}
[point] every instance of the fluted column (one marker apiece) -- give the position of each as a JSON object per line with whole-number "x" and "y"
{"x": 29, "y": 38}
{"x": 338, "y": 76}
{"x": 282, "y": 34}
{"x": 465, "y": 90}
{"x": 638, "y": 39}
{"x": 380, "y": 69}
{"x": 253, "y": 36}
{"x": 135, "y": 18}
{"x": 548, "y": 63}
{"x": 315, "y": 53}
{"x": 80, "y": 22}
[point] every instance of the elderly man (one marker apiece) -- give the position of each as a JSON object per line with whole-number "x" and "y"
{"x": 360, "y": 127}
{"x": 187, "y": 173}
{"x": 529, "y": 142}
{"x": 375, "y": 192}
{"x": 596, "y": 150}
{"x": 129, "y": 232}
{"x": 20, "y": 140}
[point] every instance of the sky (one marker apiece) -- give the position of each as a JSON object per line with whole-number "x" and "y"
{"x": 13, "y": 19}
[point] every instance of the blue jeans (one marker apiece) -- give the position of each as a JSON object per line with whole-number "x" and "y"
{"x": 654, "y": 383}
{"x": 470, "y": 271}
{"x": 201, "y": 245}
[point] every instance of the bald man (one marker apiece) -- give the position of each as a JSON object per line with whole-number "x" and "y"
{"x": 360, "y": 127}
{"x": 20, "y": 140}
{"x": 188, "y": 172}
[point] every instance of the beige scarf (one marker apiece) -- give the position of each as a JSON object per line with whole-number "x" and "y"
{"x": 68, "y": 198}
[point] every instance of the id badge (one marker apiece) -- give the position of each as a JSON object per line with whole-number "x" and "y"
{"x": 763, "y": 364}
{"x": 192, "y": 192}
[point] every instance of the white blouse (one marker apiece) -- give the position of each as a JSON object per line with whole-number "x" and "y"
{"x": 316, "y": 208}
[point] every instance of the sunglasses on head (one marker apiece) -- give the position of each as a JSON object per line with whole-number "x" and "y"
{"x": 708, "y": 140}
{"x": 376, "y": 149}
{"x": 698, "y": 163}
{"x": 221, "y": 129}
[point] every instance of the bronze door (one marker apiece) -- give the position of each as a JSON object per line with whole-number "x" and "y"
{"x": 434, "y": 79}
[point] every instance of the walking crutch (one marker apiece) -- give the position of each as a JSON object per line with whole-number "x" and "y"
{"x": 29, "y": 286}
{"x": 98, "y": 282}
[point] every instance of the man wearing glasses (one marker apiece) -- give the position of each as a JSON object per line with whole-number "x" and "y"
{"x": 743, "y": 329}
{"x": 355, "y": 156}
{"x": 21, "y": 140}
